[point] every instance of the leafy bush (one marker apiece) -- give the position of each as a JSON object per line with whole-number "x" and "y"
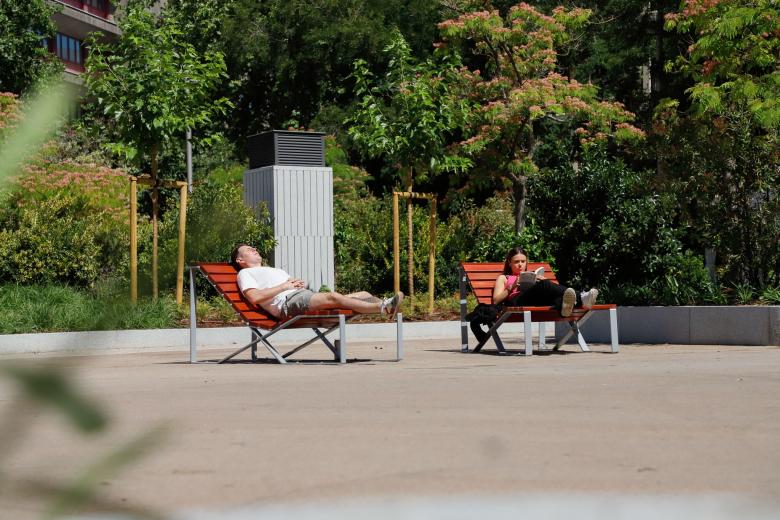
{"x": 363, "y": 235}
{"x": 63, "y": 222}
{"x": 725, "y": 174}
{"x": 10, "y": 112}
{"x": 217, "y": 220}
{"x": 363, "y": 243}
{"x": 610, "y": 230}
{"x": 771, "y": 296}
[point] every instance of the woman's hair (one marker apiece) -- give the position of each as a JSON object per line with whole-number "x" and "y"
{"x": 512, "y": 252}
{"x": 234, "y": 256}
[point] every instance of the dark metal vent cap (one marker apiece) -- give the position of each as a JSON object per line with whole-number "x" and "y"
{"x": 286, "y": 148}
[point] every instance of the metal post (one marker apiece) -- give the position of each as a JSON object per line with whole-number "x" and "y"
{"x": 189, "y": 160}
{"x": 193, "y": 318}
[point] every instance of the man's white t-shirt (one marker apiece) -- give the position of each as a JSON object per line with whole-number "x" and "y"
{"x": 264, "y": 278}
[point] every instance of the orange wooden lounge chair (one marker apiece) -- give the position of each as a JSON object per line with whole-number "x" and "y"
{"x": 262, "y": 325}
{"x": 481, "y": 277}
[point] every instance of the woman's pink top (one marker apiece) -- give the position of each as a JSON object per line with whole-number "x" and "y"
{"x": 511, "y": 287}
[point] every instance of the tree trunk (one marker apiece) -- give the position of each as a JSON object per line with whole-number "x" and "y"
{"x": 410, "y": 242}
{"x": 519, "y": 192}
{"x": 155, "y": 208}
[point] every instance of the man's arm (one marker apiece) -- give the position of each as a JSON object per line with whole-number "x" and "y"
{"x": 260, "y": 296}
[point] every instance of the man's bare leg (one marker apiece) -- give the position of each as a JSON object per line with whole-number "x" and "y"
{"x": 334, "y": 300}
{"x": 365, "y": 296}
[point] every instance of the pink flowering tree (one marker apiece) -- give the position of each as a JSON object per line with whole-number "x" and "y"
{"x": 521, "y": 86}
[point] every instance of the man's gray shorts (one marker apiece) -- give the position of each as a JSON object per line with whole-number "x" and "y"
{"x": 296, "y": 303}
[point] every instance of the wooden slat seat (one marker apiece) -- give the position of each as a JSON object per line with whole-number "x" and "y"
{"x": 222, "y": 277}
{"x": 480, "y": 278}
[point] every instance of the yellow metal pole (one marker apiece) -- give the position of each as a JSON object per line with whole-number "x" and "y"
{"x": 133, "y": 239}
{"x": 182, "y": 226}
{"x": 432, "y": 256}
{"x": 410, "y": 250}
{"x": 396, "y": 246}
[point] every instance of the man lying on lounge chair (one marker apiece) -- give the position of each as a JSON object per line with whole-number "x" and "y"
{"x": 284, "y": 297}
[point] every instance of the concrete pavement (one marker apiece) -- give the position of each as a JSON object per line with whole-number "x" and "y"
{"x": 652, "y": 420}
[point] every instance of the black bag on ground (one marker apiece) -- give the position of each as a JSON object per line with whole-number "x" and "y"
{"x": 483, "y": 314}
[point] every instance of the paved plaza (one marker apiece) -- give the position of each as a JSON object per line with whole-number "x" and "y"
{"x": 651, "y": 420}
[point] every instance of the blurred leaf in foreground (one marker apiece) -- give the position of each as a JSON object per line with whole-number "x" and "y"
{"x": 44, "y": 112}
{"x": 50, "y": 386}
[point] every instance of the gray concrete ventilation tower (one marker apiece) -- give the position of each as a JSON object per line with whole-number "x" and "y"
{"x": 287, "y": 171}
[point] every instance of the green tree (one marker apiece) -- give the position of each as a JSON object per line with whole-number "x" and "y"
{"x": 721, "y": 152}
{"x": 289, "y": 58}
{"x": 407, "y": 116}
{"x": 522, "y": 88}
{"x": 154, "y": 85}
{"x": 407, "y": 119}
{"x": 734, "y": 58}
{"x": 24, "y": 59}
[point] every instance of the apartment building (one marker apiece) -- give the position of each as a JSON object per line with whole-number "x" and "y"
{"x": 75, "y": 20}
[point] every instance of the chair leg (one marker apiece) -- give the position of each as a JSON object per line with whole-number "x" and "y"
{"x": 342, "y": 345}
{"x": 492, "y": 333}
{"x": 399, "y": 337}
{"x": 565, "y": 337}
{"x": 193, "y": 318}
{"x": 580, "y": 338}
{"x": 542, "y": 335}
{"x": 275, "y": 353}
{"x": 613, "y": 330}
{"x": 528, "y": 333}
{"x": 464, "y": 333}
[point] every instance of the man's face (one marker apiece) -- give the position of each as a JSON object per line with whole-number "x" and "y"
{"x": 248, "y": 256}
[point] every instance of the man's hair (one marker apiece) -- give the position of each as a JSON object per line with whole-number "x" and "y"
{"x": 234, "y": 256}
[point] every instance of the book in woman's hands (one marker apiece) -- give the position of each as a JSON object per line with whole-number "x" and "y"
{"x": 527, "y": 279}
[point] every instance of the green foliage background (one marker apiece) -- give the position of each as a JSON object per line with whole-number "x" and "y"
{"x": 633, "y": 221}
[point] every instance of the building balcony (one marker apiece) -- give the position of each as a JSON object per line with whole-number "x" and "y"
{"x": 78, "y": 18}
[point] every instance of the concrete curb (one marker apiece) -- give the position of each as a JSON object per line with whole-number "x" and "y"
{"x": 224, "y": 337}
{"x": 653, "y": 325}
{"x": 689, "y": 325}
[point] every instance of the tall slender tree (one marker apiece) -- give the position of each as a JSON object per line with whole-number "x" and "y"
{"x": 155, "y": 86}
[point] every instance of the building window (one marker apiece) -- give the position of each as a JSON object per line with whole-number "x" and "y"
{"x": 70, "y": 50}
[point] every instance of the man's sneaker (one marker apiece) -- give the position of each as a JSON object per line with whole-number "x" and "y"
{"x": 390, "y": 305}
{"x": 569, "y": 300}
{"x": 589, "y": 298}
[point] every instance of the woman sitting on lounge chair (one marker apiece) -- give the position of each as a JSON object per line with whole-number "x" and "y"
{"x": 513, "y": 289}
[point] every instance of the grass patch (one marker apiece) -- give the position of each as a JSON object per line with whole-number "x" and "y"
{"x": 60, "y": 308}
{"x": 56, "y": 308}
